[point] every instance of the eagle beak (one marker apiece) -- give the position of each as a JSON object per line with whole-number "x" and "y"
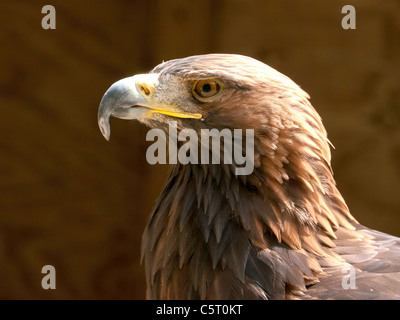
{"x": 132, "y": 98}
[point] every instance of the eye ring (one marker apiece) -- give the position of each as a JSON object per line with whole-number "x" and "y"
{"x": 205, "y": 89}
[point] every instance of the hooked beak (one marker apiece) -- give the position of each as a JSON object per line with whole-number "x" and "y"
{"x": 132, "y": 98}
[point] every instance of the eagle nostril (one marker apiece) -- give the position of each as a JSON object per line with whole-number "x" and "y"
{"x": 145, "y": 89}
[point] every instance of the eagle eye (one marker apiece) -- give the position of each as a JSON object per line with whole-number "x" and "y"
{"x": 205, "y": 89}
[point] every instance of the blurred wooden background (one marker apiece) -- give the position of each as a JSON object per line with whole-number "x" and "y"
{"x": 70, "y": 199}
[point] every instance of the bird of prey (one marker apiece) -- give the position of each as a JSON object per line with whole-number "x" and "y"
{"x": 282, "y": 232}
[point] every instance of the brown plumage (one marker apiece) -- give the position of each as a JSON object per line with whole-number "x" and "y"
{"x": 282, "y": 232}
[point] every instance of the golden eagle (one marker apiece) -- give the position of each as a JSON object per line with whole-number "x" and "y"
{"x": 281, "y": 232}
